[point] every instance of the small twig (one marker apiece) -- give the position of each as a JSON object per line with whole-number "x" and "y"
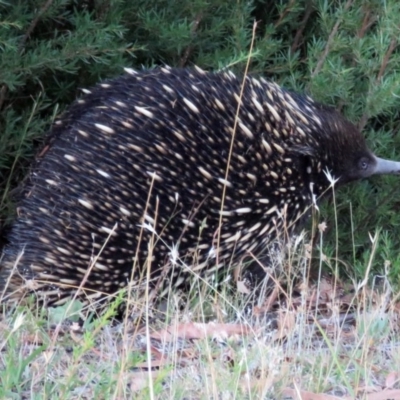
{"x": 189, "y": 48}
{"x": 286, "y": 11}
{"x": 34, "y": 22}
{"x": 234, "y": 128}
{"x": 28, "y": 33}
{"x": 3, "y": 92}
{"x": 385, "y": 61}
{"x": 329, "y": 42}
{"x": 299, "y": 33}
{"x": 367, "y": 22}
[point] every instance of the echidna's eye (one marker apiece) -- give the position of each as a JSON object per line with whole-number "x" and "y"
{"x": 363, "y": 163}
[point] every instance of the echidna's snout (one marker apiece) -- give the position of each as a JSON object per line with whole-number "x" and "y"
{"x": 383, "y": 166}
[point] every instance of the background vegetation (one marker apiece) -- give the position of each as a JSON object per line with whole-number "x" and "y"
{"x": 342, "y": 53}
{"x": 325, "y": 337}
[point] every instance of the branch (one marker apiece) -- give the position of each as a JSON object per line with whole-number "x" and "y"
{"x": 189, "y": 49}
{"x": 329, "y": 42}
{"x": 34, "y": 22}
{"x": 303, "y": 23}
{"x": 385, "y": 61}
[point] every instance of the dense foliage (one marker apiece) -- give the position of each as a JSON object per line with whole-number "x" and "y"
{"x": 342, "y": 53}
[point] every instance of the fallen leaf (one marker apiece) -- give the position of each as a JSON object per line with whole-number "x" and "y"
{"x": 140, "y": 380}
{"x": 391, "y": 379}
{"x": 193, "y": 330}
{"x": 242, "y": 288}
{"x": 304, "y": 395}
{"x": 384, "y": 395}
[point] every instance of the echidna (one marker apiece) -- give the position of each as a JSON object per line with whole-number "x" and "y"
{"x": 176, "y": 170}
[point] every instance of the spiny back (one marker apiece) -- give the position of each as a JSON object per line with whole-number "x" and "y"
{"x": 141, "y": 168}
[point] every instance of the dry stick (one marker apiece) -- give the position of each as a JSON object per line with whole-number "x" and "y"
{"x": 362, "y": 285}
{"x": 228, "y": 163}
{"x": 360, "y": 290}
{"x": 135, "y": 262}
{"x": 148, "y": 301}
{"x": 329, "y": 42}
